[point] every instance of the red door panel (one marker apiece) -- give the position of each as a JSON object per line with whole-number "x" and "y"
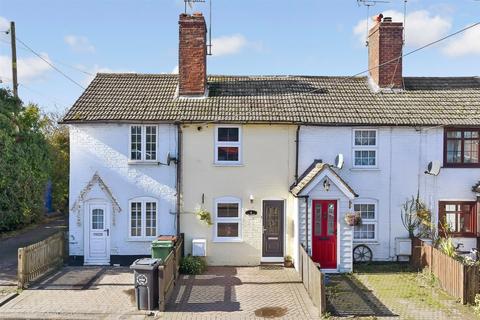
{"x": 324, "y": 233}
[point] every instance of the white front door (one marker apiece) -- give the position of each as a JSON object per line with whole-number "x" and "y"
{"x": 98, "y": 244}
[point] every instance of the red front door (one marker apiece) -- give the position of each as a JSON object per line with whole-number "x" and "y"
{"x": 324, "y": 233}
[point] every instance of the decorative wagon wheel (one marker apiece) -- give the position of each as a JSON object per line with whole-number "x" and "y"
{"x": 362, "y": 253}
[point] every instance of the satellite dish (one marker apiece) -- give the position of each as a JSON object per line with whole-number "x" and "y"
{"x": 433, "y": 168}
{"x": 339, "y": 161}
{"x": 171, "y": 159}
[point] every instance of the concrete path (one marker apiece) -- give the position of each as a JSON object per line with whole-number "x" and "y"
{"x": 391, "y": 290}
{"x": 241, "y": 293}
{"x": 78, "y": 293}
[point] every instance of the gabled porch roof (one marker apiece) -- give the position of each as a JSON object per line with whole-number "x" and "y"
{"x": 320, "y": 169}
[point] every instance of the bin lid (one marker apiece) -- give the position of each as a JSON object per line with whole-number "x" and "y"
{"x": 167, "y": 237}
{"x": 162, "y": 243}
{"x": 146, "y": 264}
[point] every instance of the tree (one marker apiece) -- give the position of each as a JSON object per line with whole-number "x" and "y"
{"x": 25, "y": 163}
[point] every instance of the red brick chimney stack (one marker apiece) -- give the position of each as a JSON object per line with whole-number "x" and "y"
{"x": 385, "y": 44}
{"x": 192, "y": 64}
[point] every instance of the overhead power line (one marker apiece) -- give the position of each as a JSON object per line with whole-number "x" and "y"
{"x": 401, "y": 56}
{"x": 56, "y": 61}
{"x": 50, "y": 64}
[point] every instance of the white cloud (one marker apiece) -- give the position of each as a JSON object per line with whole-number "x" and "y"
{"x": 29, "y": 69}
{"x": 97, "y": 69}
{"x": 79, "y": 43}
{"x": 175, "y": 70}
{"x": 4, "y": 26}
{"x": 421, "y": 26}
{"x": 467, "y": 43}
{"x": 226, "y": 45}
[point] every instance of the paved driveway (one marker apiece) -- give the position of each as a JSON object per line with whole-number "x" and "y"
{"x": 78, "y": 293}
{"x": 241, "y": 293}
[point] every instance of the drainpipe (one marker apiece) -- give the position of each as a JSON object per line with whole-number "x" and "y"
{"x": 296, "y": 152}
{"x": 179, "y": 175}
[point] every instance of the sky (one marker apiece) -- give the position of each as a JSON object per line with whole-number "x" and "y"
{"x": 250, "y": 37}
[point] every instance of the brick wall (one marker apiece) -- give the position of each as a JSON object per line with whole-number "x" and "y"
{"x": 192, "y": 55}
{"x": 385, "y": 44}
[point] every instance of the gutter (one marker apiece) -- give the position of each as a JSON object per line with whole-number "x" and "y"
{"x": 179, "y": 175}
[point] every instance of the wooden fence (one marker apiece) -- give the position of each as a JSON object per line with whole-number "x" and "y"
{"x": 457, "y": 279}
{"x": 168, "y": 274}
{"x": 313, "y": 280}
{"x": 40, "y": 258}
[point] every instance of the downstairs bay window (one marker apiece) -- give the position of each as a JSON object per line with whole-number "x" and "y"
{"x": 228, "y": 220}
{"x": 458, "y": 218}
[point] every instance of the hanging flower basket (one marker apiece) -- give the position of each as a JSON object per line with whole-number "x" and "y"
{"x": 204, "y": 216}
{"x": 353, "y": 218}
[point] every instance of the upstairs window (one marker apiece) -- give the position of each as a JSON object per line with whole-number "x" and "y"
{"x": 459, "y": 217}
{"x": 365, "y": 148}
{"x": 228, "y": 145}
{"x": 462, "y": 148}
{"x": 143, "y": 218}
{"x": 143, "y": 143}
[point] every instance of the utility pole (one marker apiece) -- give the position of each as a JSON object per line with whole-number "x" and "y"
{"x": 14, "y": 59}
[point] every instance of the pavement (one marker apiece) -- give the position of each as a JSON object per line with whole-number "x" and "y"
{"x": 9, "y": 250}
{"x": 220, "y": 293}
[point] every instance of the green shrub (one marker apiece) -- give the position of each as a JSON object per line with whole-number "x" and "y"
{"x": 192, "y": 265}
{"x": 476, "y": 307}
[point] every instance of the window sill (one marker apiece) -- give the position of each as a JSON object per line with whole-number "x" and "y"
{"x": 141, "y": 239}
{"x": 220, "y": 164}
{"x": 144, "y": 162}
{"x": 371, "y": 242}
{"x": 227, "y": 240}
{"x": 365, "y": 169}
{"x": 462, "y": 166}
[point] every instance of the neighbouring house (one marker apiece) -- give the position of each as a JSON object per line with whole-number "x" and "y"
{"x": 262, "y": 156}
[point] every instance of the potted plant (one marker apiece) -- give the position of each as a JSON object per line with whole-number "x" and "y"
{"x": 288, "y": 262}
{"x": 353, "y": 218}
{"x": 204, "y": 216}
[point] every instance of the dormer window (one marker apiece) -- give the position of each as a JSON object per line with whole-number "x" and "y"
{"x": 462, "y": 148}
{"x": 143, "y": 143}
{"x": 228, "y": 145}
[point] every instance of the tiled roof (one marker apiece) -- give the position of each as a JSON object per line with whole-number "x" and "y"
{"x": 291, "y": 99}
{"x": 311, "y": 173}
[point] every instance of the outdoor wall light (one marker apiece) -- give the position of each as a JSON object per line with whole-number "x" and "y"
{"x": 252, "y": 198}
{"x": 326, "y": 184}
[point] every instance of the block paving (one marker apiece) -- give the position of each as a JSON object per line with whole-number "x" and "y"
{"x": 241, "y": 293}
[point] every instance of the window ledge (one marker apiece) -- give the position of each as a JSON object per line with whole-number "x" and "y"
{"x": 227, "y": 240}
{"x": 371, "y": 242}
{"x": 228, "y": 164}
{"x": 365, "y": 169}
{"x": 141, "y": 239}
{"x": 144, "y": 162}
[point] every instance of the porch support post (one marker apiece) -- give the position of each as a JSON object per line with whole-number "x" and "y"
{"x": 306, "y": 225}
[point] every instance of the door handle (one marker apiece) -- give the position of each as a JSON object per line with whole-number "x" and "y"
{"x": 108, "y": 232}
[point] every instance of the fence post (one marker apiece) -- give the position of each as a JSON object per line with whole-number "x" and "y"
{"x": 161, "y": 288}
{"x": 21, "y": 268}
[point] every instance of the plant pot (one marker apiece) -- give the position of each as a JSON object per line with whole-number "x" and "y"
{"x": 288, "y": 264}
